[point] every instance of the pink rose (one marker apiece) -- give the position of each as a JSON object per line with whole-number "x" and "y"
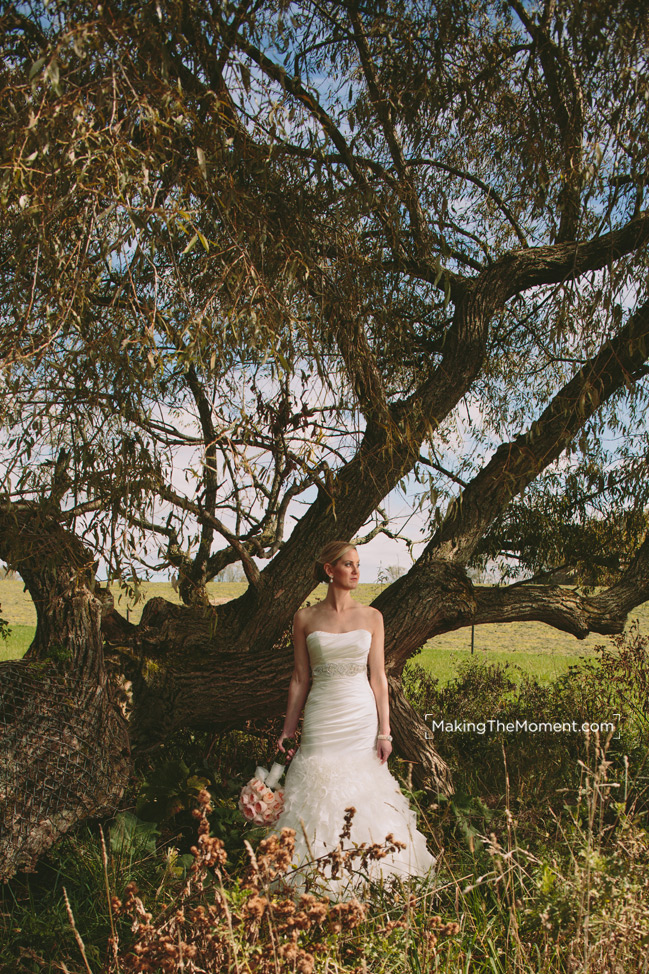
{"x": 259, "y": 803}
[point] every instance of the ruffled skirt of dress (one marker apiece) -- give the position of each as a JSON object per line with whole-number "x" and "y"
{"x": 318, "y": 790}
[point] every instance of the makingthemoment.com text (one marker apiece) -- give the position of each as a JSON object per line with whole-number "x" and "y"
{"x": 494, "y": 726}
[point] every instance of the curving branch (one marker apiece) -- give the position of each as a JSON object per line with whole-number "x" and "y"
{"x": 515, "y": 464}
{"x": 252, "y": 572}
{"x": 488, "y": 190}
{"x": 383, "y": 527}
{"x": 565, "y": 609}
{"x": 555, "y": 263}
{"x": 478, "y": 300}
{"x": 435, "y": 597}
{"x": 192, "y": 585}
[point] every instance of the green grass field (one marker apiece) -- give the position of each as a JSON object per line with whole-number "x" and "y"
{"x": 533, "y": 647}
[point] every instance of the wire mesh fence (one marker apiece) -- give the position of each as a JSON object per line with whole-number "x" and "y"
{"x": 56, "y": 762}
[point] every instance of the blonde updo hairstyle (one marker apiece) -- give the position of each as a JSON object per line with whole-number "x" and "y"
{"x": 329, "y": 556}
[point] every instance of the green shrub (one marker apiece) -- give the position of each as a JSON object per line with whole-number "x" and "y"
{"x": 613, "y": 688}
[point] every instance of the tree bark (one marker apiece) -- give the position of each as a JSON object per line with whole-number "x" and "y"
{"x": 65, "y": 751}
{"x": 64, "y": 757}
{"x": 410, "y": 734}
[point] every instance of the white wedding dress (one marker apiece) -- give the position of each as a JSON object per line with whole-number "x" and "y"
{"x": 337, "y": 767}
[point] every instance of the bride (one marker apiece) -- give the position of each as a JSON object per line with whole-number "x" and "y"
{"x": 346, "y": 740}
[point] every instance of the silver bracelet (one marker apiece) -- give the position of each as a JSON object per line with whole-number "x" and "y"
{"x": 384, "y": 737}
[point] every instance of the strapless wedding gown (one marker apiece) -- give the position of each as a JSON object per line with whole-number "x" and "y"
{"x": 337, "y": 767}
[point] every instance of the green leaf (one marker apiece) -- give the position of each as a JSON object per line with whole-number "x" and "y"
{"x": 130, "y": 835}
{"x": 36, "y": 67}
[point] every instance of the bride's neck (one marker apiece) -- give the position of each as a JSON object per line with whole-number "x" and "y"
{"x": 340, "y": 600}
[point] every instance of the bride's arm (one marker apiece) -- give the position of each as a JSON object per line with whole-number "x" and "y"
{"x": 299, "y": 686}
{"x": 379, "y": 684}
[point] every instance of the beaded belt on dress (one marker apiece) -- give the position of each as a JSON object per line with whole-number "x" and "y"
{"x": 342, "y": 668}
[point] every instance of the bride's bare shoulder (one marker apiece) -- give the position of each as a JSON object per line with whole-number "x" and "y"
{"x": 304, "y": 616}
{"x": 373, "y": 619}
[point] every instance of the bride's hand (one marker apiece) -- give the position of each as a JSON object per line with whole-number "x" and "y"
{"x": 280, "y": 745}
{"x": 384, "y": 750}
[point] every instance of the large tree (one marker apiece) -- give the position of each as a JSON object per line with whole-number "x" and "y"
{"x": 264, "y": 264}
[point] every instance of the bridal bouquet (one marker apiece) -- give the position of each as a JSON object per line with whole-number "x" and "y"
{"x": 257, "y": 801}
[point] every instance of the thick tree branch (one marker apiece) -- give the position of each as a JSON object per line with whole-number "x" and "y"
{"x": 464, "y": 349}
{"x": 192, "y": 588}
{"x": 382, "y": 458}
{"x": 361, "y": 365}
{"x": 516, "y": 464}
{"x": 435, "y": 597}
{"x": 65, "y": 749}
{"x": 565, "y": 609}
{"x": 523, "y": 269}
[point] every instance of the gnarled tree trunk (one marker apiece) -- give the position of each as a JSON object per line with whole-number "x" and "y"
{"x": 64, "y": 752}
